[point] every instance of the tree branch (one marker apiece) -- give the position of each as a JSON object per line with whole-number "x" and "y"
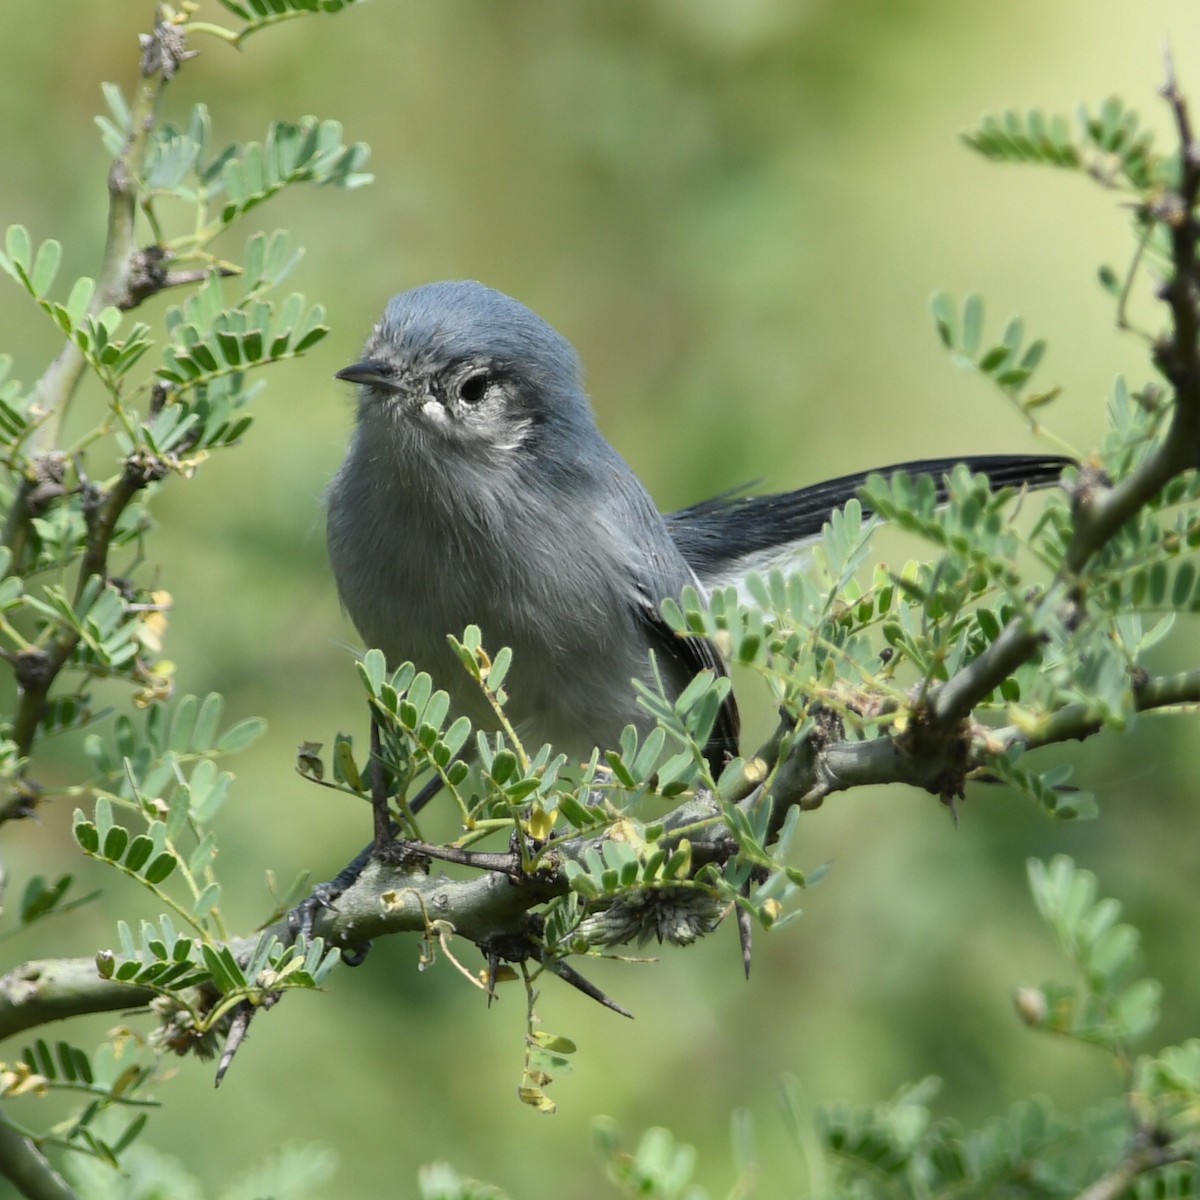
{"x": 1077, "y": 722}
{"x": 162, "y": 52}
{"x": 1100, "y": 509}
{"x": 53, "y": 989}
{"x": 1141, "y": 1158}
{"x": 27, "y": 1169}
{"x": 495, "y": 907}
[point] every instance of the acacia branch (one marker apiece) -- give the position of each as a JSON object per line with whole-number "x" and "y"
{"x": 53, "y": 989}
{"x": 27, "y": 1168}
{"x": 162, "y": 53}
{"x": 127, "y": 277}
{"x": 36, "y": 668}
{"x": 1077, "y": 722}
{"x": 1100, "y": 508}
{"x": 496, "y": 909}
{"x": 1141, "y": 1158}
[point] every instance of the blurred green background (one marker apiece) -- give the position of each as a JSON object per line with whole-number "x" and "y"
{"x": 737, "y": 211}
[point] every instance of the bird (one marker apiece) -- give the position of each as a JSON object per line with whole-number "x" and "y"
{"x": 478, "y": 490}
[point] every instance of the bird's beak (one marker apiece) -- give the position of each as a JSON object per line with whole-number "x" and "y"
{"x": 373, "y": 372}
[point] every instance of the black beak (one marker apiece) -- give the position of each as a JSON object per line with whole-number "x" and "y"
{"x": 373, "y": 372}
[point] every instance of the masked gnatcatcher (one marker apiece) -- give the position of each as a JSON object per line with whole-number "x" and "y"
{"x": 478, "y": 490}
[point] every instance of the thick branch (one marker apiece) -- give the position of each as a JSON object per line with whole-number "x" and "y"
{"x": 495, "y": 907}
{"x": 26, "y": 1168}
{"x": 53, "y": 989}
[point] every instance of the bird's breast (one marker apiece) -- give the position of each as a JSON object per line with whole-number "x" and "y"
{"x": 412, "y": 568}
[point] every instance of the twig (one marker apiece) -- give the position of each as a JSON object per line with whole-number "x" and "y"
{"x": 1100, "y": 509}
{"x": 139, "y": 471}
{"x": 161, "y": 55}
{"x": 1141, "y": 1158}
{"x": 27, "y": 1168}
{"x": 1077, "y": 722}
{"x": 122, "y": 282}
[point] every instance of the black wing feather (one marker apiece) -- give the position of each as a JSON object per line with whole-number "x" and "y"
{"x": 715, "y": 533}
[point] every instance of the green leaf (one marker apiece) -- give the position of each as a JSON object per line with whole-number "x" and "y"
{"x": 86, "y": 834}
{"x": 946, "y": 318}
{"x": 130, "y": 1134}
{"x": 503, "y": 766}
{"x": 160, "y": 868}
{"x": 104, "y": 818}
{"x": 373, "y": 669}
{"x": 139, "y": 853}
{"x": 45, "y": 267}
{"x": 972, "y": 324}
{"x": 182, "y": 724}
{"x": 19, "y": 252}
{"x": 37, "y": 899}
{"x": 207, "y": 900}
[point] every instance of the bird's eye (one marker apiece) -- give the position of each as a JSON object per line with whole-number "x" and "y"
{"x": 472, "y": 389}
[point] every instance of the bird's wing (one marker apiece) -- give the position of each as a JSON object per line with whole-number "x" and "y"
{"x": 683, "y": 658}
{"x": 651, "y": 569}
{"x": 725, "y": 537}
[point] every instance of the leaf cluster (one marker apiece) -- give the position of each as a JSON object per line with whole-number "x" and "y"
{"x": 103, "y": 1083}
{"x": 1149, "y": 1138}
{"x": 263, "y": 14}
{"x": 1110, "y": 144}
{"x": 1142, "y": 1144}
{"x": 80, "y": 598}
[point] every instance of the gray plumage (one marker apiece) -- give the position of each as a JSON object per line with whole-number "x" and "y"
{"x": 478, "y": 490}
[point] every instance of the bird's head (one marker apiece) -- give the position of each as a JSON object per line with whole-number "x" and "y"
{"x": 460, "y": 364}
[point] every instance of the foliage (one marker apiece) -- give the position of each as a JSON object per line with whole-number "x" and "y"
{"x": 290, "y": 1173}
{"x": 73, "y": 618}
{"x": 944, "y": 673}
{"x": 1141, "y": 1144}
{"x": 1146, "y": 1140}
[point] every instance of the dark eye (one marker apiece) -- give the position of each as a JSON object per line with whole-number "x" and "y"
{"x": 472, "y": 389}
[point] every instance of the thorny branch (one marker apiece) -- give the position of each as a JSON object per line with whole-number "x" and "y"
{"x": 495, "y": 910}
{"x": 498, "y": 909}
{"x": 1101, "y": 508}
{"x": 128, "y": 276}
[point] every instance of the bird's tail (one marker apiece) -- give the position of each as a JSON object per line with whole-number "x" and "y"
{"x": 731, "y": 534}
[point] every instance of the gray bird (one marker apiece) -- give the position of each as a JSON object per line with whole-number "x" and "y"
{"x": 478, "y": 490}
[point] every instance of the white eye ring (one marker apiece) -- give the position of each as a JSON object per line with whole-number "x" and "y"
{"x": 474, "y": 387}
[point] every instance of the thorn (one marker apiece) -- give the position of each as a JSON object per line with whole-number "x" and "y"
{"x": 1172, "y": 84}
{"x": 569, "y": 975}
{"x": 745, "y": 926}
{"x": 503, "y": 862}
{"x": 239, "y": 1026}
{"x": 951, "y": 802}
{"x": 493, "y": 967}
{"x": 186, "y": 278}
